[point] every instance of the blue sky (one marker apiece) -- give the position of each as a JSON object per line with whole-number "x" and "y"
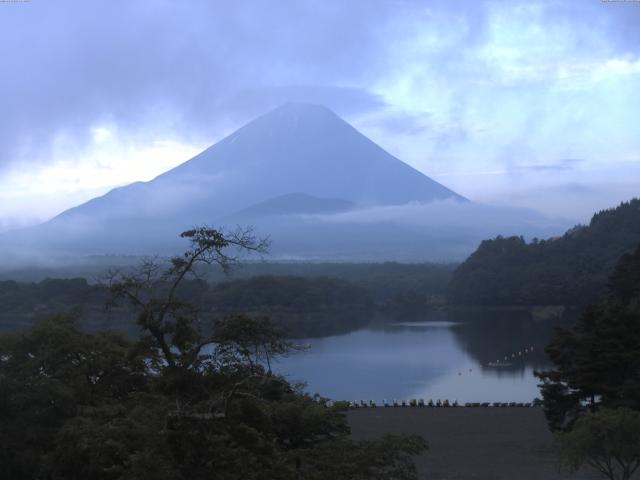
{"x": 529, "y": 103}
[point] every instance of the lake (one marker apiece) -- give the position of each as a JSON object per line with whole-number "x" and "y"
{"x": 481, "y": 360}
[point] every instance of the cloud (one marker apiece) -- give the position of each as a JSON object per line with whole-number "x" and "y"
{"x": 478, "y": 218}
{"x": 390, "y": 121}
{"x": 344, "y": 101}
{"x": 575, "y": 200}
{"x": 561, "y": 165}
{"x": 196, "y": 69}
{"x": 446, "y": 86}
{"x": 170, "y": 68}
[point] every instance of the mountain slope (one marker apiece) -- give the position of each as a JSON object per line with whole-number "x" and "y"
{"x": 572, "y": 269}
{"x": 295, "y": 148}
{"x": 353, "y": 201}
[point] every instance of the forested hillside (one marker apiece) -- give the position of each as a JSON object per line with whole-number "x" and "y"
{"x": 596, "y": 362}
{"x": 299, "y": 306}
{"x": 306, "y": 299}
{"x": 571, "y": 270}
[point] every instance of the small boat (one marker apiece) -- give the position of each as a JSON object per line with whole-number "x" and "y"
{"x": 499, "y": 364}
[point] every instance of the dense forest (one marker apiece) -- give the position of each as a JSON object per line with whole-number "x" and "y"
{"x": 189, "y": 393}
{"x": 383, "y": 281}
{"x": 303, "y": 299}
{"x": 178, "y": 401}
{"x": 569, "y": 270}
{"x": 597, "y": 360}
{"x": 299, "y": 306}
{"x": 591, "y": 393}
{"x": 302, "y": 305}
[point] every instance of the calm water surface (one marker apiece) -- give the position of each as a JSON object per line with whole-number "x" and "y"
{"x": 439, "y": 359}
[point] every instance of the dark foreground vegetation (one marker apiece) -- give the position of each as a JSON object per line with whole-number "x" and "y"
{"x": 597, "y": 361}
{"x": 568, "y": 270}
{"x": 75, "y": 405}
{"x": 176, "y": 403}
{"x": 592, "y": 394}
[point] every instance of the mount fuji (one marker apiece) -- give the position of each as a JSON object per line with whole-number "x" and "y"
{"x": 300, "y": 174}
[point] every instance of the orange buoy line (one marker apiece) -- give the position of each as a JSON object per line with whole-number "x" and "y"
{"x": 520, "y": 353}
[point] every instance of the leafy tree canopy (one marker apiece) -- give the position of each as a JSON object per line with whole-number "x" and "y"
{"x": 177, "y": 403}
{"x": 569, "y": 270}
{"x": 607, "y": 441}
{"x": 597, "y": 362}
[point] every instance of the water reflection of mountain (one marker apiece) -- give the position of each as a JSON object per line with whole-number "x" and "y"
{"x": 494, "y": 337}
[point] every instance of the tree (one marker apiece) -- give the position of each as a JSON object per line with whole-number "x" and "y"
{"x": 624, "y": 282}
{"x": 568, "y": 270}
{"x": 365, "y": 460}
{"x": 597, "y": 362}
{"x": 255, "y": 340}
{"x": 51, "y": 374}
{"x": 75, "y": 405}
{"x": 176, "y": 403}
{"x": 607, "y": 441}
{"x": 153, "y": 290}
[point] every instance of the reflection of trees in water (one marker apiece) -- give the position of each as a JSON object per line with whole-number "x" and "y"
{"x": 490, "y": 335}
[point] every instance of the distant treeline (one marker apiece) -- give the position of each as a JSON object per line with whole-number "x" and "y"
{"x": 300, "y": 306}
{"x": 568, "y": 270}
{"x": 22, "y": 303}
{"x": 318, "y": 299}
{"x": 382, "y": 280}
